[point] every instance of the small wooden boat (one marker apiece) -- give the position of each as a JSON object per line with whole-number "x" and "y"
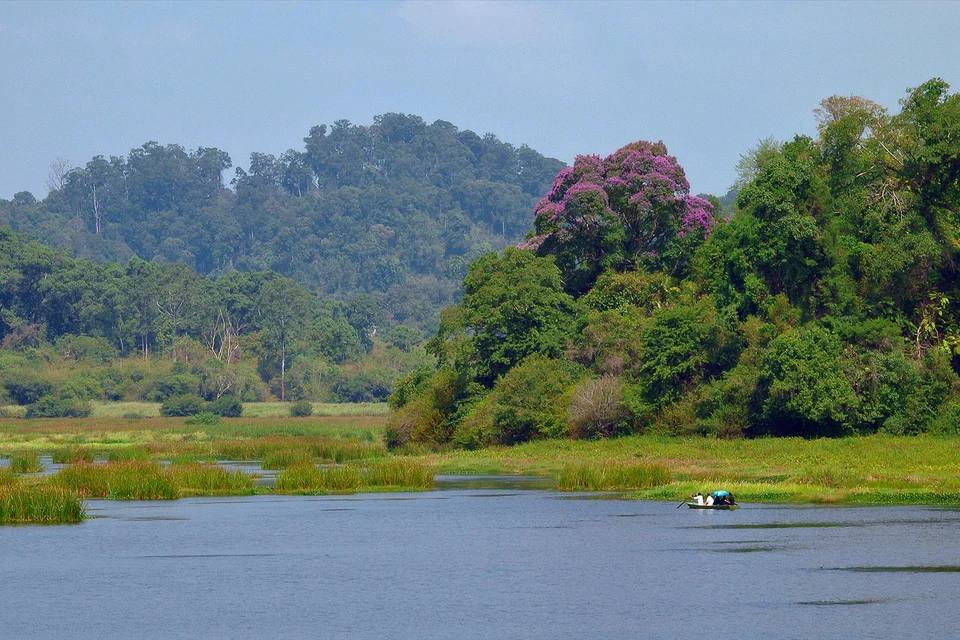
{"x": 725, "y": 507}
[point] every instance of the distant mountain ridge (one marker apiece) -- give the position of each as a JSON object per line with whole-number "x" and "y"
{"x": 396, "y": 209}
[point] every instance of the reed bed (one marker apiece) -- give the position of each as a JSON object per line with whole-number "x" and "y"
{"x": 72, "y": 454}
{"x": 311, "y": 479}
{"x": 136, "y": 480}
{"x": 204, "y": 479}
{"x": 26, "y": 463}
{"x": 39, "y": 504}
{"x": 399, "y": 472}
{"x": 611, "y": 476}
{"x": 7, "y": 477}
{"x": 128, "y": 453}
{"x": 286, "y": 458}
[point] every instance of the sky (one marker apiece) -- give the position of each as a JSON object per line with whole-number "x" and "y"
{"x": 710, "y": 79}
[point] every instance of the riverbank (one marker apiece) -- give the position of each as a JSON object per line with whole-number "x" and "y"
{"x": 335, "y": 454}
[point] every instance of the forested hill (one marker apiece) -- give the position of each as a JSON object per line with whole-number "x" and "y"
{"x": 397, "y": 209}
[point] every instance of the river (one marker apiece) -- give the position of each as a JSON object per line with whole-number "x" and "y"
{"x": 482, "y": 560}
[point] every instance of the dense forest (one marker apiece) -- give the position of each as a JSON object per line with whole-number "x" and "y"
{"x": 396, "y": 210}
{"x": 76, "y": 330}
{"x": 826, "y": 305}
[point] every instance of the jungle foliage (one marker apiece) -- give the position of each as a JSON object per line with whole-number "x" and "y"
{"x": 395, "y": 210}
{"x": 826, "y": 305}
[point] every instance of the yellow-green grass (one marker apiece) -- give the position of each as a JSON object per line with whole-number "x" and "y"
{"x": 26, "y": 463}
{"x": 38, "y": 504}
{"x": 102, "y": 434}
{"x": 873, "y": 469}
{"x": 134, "y": 410}
{"x": 611, "y": 476}
{"x": 196, "y": 479}
{"x": 144, "y": 480}
{"x": 397, "y": 474}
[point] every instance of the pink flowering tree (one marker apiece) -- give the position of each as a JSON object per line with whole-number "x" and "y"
{"x": 630, "y": 210}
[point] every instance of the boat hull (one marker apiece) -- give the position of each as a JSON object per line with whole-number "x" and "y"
{"x": 721, "y": 507}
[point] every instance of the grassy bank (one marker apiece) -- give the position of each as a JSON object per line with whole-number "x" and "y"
{"x": 323, "y": 454}
{"x": 867, "y": 470}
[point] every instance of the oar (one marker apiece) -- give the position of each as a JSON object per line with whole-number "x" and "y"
{"x": 681, "y": 504}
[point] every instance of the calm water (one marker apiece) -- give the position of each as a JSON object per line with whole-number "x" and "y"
{"x": 477, "y": 562}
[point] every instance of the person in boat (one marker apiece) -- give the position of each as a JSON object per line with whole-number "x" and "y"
{"x": 709, "y": 501}
{"x": 721, "y": 497}
{"x": 697, "y": 498}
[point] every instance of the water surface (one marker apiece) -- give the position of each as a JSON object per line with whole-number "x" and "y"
{"x": 481, "y": 561}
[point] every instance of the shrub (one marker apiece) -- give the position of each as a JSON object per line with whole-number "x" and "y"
{"x": 178, "y": 406}
{"x": 597, "y": 409}
{"x": 530, "y": 401}
{"x": 82, "y": 387}
{"x": 25, "y": 387}
{"x": 301, "y": 409}
{"x": 172, "y": 385}
{"x": 227, "y": 405}
{"x": 204, "y": 417}
{"x": 50, "y": 407}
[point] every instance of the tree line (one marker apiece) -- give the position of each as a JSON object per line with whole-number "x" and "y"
{"x": 395, "y": 210}
{"x": 827, "y": 304}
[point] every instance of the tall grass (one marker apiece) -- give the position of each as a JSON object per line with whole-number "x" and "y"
{"x": 7, "y": 477}
{"x": 71, "y": 454}
{"x": 203, "y": 479}
{"x": 311, "y": 479}
{"x": 611, "y": 476}
{"x": 40, "y": 504}
{"x": 400, "y": 473}
{"x": 286, "y": 458}
{"x": 138, "y": 480}
{"x": 397, "y": 473}
{"x": 26, "y": 463}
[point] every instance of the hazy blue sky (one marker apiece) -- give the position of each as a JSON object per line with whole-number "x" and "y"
{"x": 709, "y": 79}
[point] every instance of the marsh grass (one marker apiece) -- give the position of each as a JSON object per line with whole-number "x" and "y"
{"x": 398, "y": 472}
{"x": 311, "y": 479}
{"x": 72, "y": 454}
{"x": 26, "y": 463}
{"x": 39, "y": 504}
{"x": 286, "y": 458}
{"x": 346, "y": 478}
{"x": 611, "y": 476}
{"x": 7, "y": 477}
{"x": 135, "y": 480}
{"x": 197, "y": 479}
{"x": 128, "y": 453}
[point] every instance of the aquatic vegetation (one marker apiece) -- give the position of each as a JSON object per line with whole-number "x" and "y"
{"x": 399, "y": 472}
{"x": 286, "y": 458}
{"x": 611, "y": 476}
{"x": 311, "y": 479}
{"x": 26, "y": 463}
{"x": 205, "y": 479}
{"x": 40, "y": 504}
{"x": 71, "y": 454}
{"x": 135, "y": 480}
{"x": 7, "y": 477}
